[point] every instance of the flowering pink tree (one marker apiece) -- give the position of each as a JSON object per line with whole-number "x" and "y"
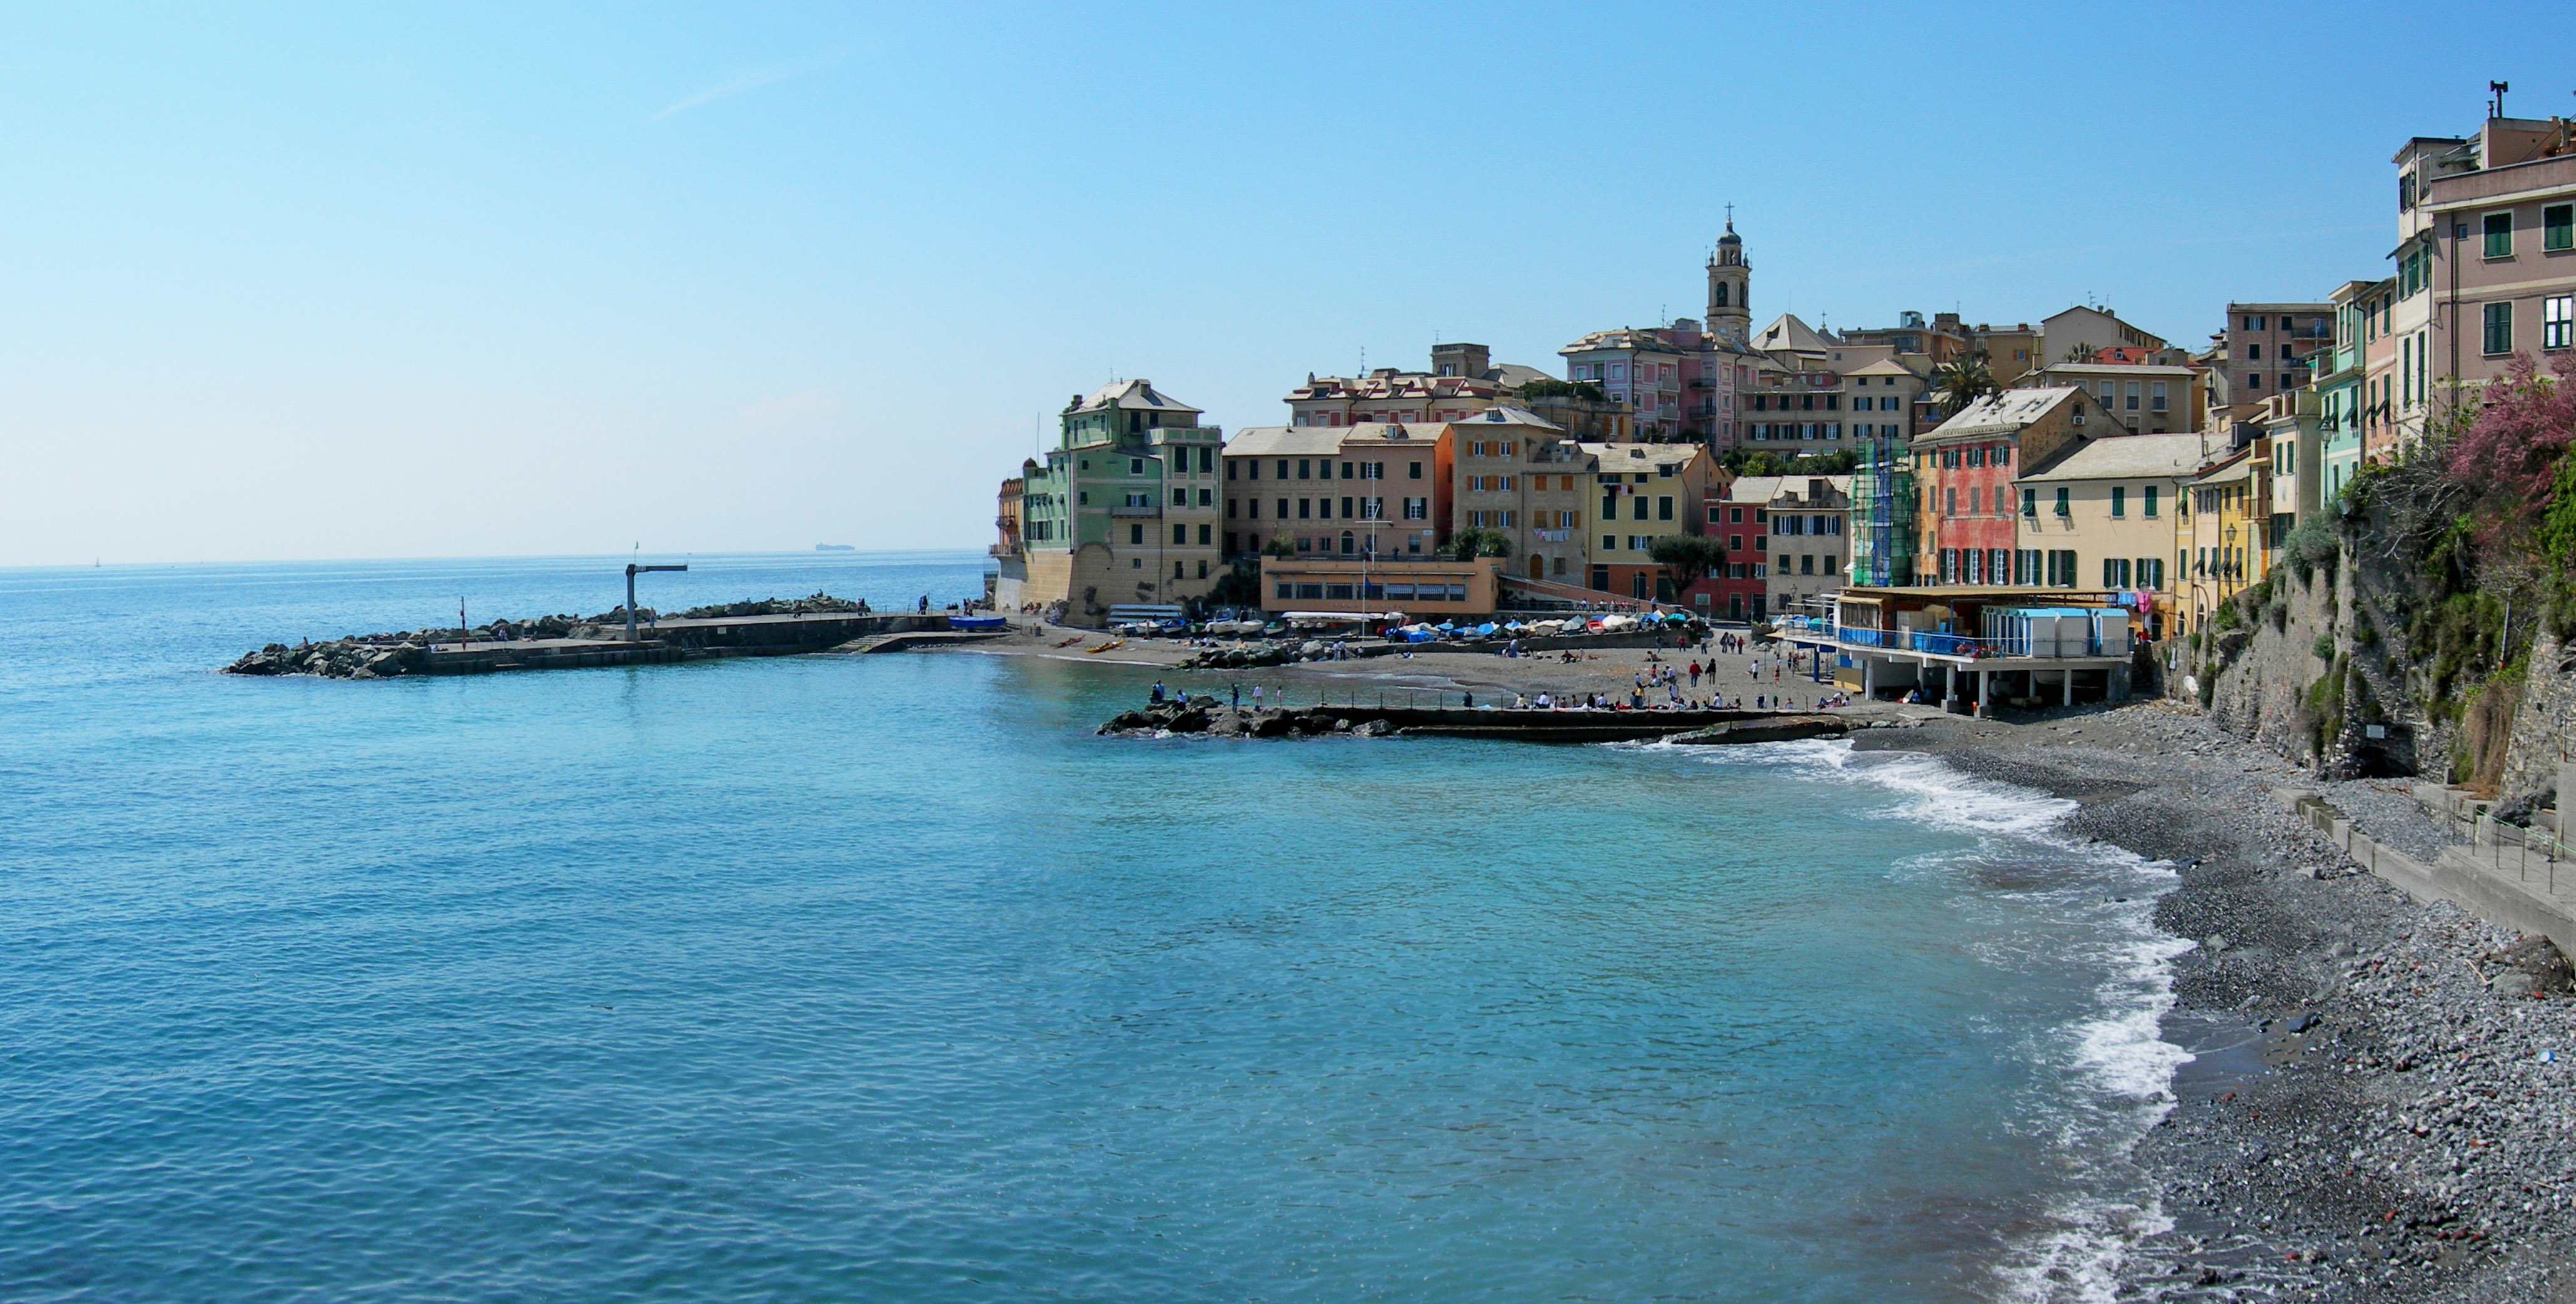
{"x": 2510, "y": 451}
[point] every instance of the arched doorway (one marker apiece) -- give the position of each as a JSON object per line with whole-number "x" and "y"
{"x": 1538, "y": 568}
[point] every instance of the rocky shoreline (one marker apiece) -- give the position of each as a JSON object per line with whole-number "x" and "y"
{"x": 1204, "y": 715}
{"x": 2381, "y": 1106}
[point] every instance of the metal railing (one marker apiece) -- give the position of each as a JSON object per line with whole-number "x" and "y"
{"x": 1938, "y": 644}
{"x": 2488, "y": 838}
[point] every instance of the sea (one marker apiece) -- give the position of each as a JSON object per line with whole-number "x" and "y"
{"x": 884, "y": 978}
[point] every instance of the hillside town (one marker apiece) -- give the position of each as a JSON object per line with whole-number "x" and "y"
{"x": 1748, "y": 473}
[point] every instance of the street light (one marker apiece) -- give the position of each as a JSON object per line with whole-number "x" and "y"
{"x": 632, "y": 570}
{"x": 2227, "y": 559}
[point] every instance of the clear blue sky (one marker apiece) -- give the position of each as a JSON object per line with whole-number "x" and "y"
{"x": 450, "y": 280}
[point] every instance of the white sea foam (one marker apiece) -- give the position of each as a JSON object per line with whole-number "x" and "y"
{"x": 2121, "y": 1064}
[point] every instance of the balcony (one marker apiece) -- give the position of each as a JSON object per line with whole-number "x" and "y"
{"x": 1134, "y": 510}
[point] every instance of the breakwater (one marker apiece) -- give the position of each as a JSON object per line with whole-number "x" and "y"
{"x": 769, "y": 627}
{"x": 1204, "y": 715}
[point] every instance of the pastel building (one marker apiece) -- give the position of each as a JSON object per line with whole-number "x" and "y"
{"x": 2272, "y": 347}
{"x": 1123, "y": 511}
{"x": 1646, "y": 491}
{"x": 1379, "y": 489}
{"x": 2146, "y": 398}
{"x": 2100, "y": 513}
{"x": 2220, "y": 536}
{"x": 2487, "y": 238}
{"x": 1463, "y": 380}
{"x": 1523, "y": 477}
{"x": 1788, "y": 541}
{"x": 1964, "y": 471}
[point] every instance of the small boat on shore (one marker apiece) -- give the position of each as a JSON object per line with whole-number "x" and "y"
{"x": 1113, "y": 643}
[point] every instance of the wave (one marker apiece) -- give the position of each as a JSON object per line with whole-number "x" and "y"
{"x": 2098, "y": 902}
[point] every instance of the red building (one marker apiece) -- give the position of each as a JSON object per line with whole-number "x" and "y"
{"x": 1964, "y": 470}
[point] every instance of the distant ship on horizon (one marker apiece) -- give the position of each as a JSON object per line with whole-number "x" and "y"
{"x": 834, "y": 547}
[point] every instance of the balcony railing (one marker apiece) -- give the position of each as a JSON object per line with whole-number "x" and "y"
{"x": 1134, "y": 509}
{"x": 1917, "y": 640}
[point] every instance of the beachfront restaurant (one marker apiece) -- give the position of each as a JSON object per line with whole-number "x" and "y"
{"x": 1417, "y": 586}
{"x": 1974, "y": 647}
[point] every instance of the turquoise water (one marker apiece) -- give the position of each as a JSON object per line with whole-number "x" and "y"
{"x": 883, "y": 979}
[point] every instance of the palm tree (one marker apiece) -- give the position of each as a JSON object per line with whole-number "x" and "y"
{"x": 1963, "y": 382}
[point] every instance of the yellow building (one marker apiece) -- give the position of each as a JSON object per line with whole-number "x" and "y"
{"x": 1646, "y": 491}
{"x": 1522, "y": 476}
{"x": 2222, "y": 539}
{"x": 2106, "y": 510}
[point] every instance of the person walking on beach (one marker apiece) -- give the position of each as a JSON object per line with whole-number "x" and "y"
{"x": 1694, "y": 674}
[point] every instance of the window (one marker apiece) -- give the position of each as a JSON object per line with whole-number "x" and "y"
{"x": 1135, "y": 535}
{"x": 2061, "y": 501}
{"x": 2150, "y": 503}
{"x": 1953, "y": 503}
{"x": 2115, "y": 572}
{"x": 2253, "y": 323}
{"x": 2254, "y": 352}
{"x": 2119, "y": 501}
{"x": 2558, "y": 227}
{"x": 2499, "y": 235}
{"x": 1180, "y": 535}
{"x": 1663, "y": 509}
{"x": 2499, "y": 329}
{"x": 1640, "y": 512}
{"x": 2156, "y": 397}
{"x": 1609, "y": 543}
{"x": 2131, "y": 397}
{"x": 2254, "y": 380}
{"x": 2557, "y": 330}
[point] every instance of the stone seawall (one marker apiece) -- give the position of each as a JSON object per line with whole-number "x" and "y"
{"x": 1203, "y": 715}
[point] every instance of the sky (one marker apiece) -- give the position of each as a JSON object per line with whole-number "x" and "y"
{"x": 459, "y": 280}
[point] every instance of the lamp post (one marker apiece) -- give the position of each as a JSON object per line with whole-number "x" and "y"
{"x": 633, "y": 570}
{"x": 2227, "y": 559}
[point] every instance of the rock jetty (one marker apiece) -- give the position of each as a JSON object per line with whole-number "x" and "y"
{"x": 345, "y": 658}
{"x": 407, "y": 652}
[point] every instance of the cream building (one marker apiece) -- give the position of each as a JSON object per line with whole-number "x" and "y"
{"x": 1378, "y": 489}
{"x": 1522, "y": 476}
{"x": 2101, "y": 513}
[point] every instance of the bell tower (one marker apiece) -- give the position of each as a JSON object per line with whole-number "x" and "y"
{"x": 1729, "y": 284}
